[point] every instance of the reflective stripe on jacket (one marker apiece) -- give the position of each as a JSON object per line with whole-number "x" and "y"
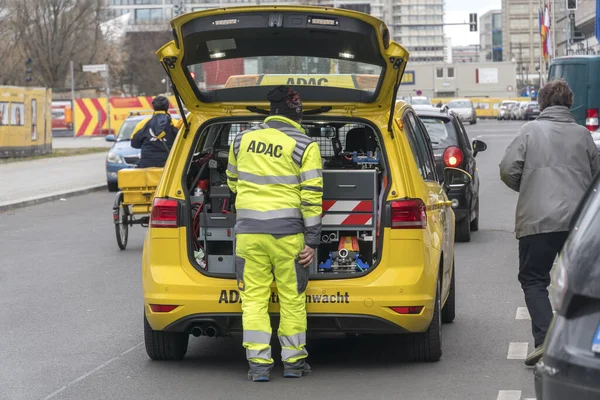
{"x": 276, "y": 171}
{"x": 551, "y": 163}
{"x": 155, "y": 137}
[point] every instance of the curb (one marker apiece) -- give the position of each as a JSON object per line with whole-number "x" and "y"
{"x": 51, "y": 197}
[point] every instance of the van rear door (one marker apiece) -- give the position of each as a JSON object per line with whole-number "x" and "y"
{"x": 575, "y": 72}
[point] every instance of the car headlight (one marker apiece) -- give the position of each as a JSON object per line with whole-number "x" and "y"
{"x": 114, "y": 158}
{"x": 558, "y": 288}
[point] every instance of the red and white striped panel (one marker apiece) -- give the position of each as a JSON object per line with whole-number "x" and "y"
{"x": 347, "y": 219}
{"x": 347, "y": 206}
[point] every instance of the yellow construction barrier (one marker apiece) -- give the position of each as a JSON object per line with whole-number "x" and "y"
{"x": 25, "y": 121}
{"x": 91, "y": 114}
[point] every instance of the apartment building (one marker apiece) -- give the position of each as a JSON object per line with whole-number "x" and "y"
{"x": 416, "y": 24}
{"x": 464, "y": 54}
{"x": 490, "y": 36}
{"x": 521, "y": 41}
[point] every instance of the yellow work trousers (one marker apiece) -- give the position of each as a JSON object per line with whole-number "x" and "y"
{"x": 259, "y": 259}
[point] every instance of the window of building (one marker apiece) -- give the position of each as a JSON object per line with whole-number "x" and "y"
{"x": 33, "y": 119}
{"x": 518, "y": 9}
{"x": 17, "y": 115}
{"x": 497, "y": 21}
{"x": 518, "y": 38}
{"x": 519, "y": 23}
{"x": 148, "y": 14}
{"x": 147, "y": 2}
{"x": 497, "y": 38}
{"x": 450, "y": 72}
{"x": 440, "y": 72}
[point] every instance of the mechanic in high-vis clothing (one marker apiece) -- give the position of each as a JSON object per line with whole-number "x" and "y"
{"x": 551, "y": 163}
{"x": 155, "y": 135}
{"x": 276, "y": 172}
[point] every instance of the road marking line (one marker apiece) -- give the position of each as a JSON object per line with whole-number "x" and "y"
{"x": 523, "y": 313}
{"x": 509, "y": 395}
{"x": 517, "y": 350}
{"x": 99, "y": 367}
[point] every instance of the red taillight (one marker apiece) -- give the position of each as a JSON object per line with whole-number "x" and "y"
{"x": 453, "y": 157}
{"x": 409, "y": 214}
{"x": 164, "y": 213}
{"x": 591, "y": 119}
{"x": 162, "y": 307}
{"x": 408, "y": 310}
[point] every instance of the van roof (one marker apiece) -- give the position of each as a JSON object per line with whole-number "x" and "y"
{"x": 581, "y": 56}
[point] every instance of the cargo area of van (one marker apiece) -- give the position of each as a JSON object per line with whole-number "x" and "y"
{"x": 354, "y": 186}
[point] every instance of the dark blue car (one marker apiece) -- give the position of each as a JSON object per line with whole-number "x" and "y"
{"x": 121, "y": 154}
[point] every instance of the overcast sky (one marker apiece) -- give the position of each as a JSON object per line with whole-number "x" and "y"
{"x": 458, "y": 11}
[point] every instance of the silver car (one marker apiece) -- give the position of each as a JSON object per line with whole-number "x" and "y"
{"x": 504, "y": 112}
{"x": 465, "y": 110}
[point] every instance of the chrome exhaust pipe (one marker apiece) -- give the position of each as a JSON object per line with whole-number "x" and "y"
{"x": 333, "y": 237}
{"x": 343, "y": 253}
{"x": 197, "y": 331}
{"x": 325, "y": 239}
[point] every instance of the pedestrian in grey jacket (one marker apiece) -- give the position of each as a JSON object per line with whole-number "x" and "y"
{"x": 551, "y": 163}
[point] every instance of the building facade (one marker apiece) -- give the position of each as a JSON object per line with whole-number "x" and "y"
{"x": 416, "y": 24}
{"x": 521, "y": 41}
{"x": 576, "y": 30}
{"x": 490, "y": 36}
{"x": 463, "y": 54}
{"x": 492, "y": 79}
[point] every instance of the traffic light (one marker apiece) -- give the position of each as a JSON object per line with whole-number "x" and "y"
{"x": 473, "y": 22}
{"x": 28, "y": 70}
{"x": 571, "y": 5}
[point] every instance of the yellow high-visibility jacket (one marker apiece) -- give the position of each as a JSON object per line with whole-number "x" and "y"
{"x": 276, "y": 171}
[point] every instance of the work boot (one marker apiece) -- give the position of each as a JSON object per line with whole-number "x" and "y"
{"x": 535, "y": 356}
{"x": 296, "y": 370}
{"x": 259, "y": 376}
{"x": 259, "y": 372}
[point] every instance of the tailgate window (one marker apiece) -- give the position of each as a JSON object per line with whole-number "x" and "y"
{"x": 441, "y": 132}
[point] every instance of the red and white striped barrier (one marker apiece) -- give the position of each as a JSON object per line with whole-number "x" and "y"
{"x": 347, "y": 205}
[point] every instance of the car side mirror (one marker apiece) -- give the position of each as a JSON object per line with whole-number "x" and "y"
{"x": 478, "y": 146}
{"x": 456, "y": 178}
{"x": 110, "y": 138}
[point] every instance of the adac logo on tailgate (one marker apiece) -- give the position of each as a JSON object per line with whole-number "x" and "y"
{"x": 233, "y": 296}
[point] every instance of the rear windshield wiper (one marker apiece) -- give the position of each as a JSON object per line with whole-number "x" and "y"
{"x": 314, "y": 111}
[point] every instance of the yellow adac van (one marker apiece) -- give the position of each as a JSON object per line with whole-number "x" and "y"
{"x": 385, "y": 264}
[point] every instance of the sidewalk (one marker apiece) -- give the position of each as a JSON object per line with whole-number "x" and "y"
{"x": 79, "y": 142}
{"x": 31, "y": 182}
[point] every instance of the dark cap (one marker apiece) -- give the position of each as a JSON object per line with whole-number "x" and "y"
{"x": 286, "y": 102}
{"x": 160, "y": 103}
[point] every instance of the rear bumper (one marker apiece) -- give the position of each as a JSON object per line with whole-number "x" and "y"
{"x": 569, "y": 369}
{"x": 550, "y": 385}
{"x": 361, "y": 304}
{"x": 228, "y": 323}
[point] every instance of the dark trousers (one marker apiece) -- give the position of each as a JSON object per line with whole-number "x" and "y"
{"x": 536, "y": 257}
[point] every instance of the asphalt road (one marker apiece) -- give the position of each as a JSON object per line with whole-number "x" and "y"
{"x": 71, "y": 317}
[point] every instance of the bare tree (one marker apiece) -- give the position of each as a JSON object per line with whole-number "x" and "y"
{"x": 142, "y": 69}
{"x": 54, "y": 32}
{"x": 8, "y": 46}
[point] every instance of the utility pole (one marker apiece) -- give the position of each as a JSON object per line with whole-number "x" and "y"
{"x": 108, "y": 97}
{"x": 73, "y": 97}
